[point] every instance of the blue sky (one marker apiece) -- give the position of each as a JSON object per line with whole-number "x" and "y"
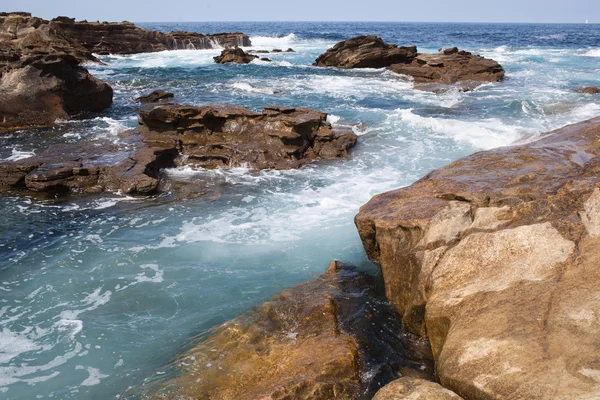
{"x": 314, "y": 10}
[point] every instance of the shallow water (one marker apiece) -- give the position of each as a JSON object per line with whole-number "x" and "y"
{"x": 99, "y": 294}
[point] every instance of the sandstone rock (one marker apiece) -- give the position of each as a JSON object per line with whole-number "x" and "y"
{"x": 494, "y": 259}
{"x": 365, "y": 52}
{"x": 325, "y": 339}
{"x": 37, "y": 90}
{"x": 228, "y": 135}
{"x": 89, "y": 167}
{"x": 155, "y": 96}
{"x": 589, "y": 90}
{"x": 414, "y": 389}
{"x": 234, "y": 55}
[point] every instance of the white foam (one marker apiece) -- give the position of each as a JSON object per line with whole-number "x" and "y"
{"x": 246, "y": 87}
{"x": 592, "y": 53}
{"x": 19, "y": 155}
{"x": 271, "y": 42}
{"x": 163, "y": 59}
{"x": 13, "y": 344}
{"x": 94, "y": 376}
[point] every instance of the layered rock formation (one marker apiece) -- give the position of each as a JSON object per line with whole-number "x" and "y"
{"x": 432, "y": 72}
{"x": 228, "y": 135}
{"x": 155, "y": 96}
{"x": 234, "y": 55}
{"x": 37, "y": 90}
{"x": 325, "y": 339}
{"x": 494, "y": 258}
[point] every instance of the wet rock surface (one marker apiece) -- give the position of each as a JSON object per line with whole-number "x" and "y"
{"x": 494, "y": 259}
{"x": 37, "y": 90}
{"x": 308, "y": 342}
{"x": 414, "y": 389}
{"x": 234, "y": 55}
{"x": 155, "y": 96}
{"x": 229, "y": 135}
{"x": 589, "y": 90}
{"x": 431, "y": 72}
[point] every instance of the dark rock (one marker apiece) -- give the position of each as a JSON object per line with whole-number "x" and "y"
{"x": 155, "y": 96}
{"x": 266, "y": 59}
{"x": 228, "y": 135}
{"x": 588, "y": 90}
{"x": 259, "y": 51}
{"x": 234, "y": 55}
{"x": 449, "y": 51}
{"x": 290, "y": 50}
{"x": 495, "y": 258}
{"x": 276, "y": 51}
{"x": 365, "y": 52}
{"x": 35, "y": 91}
{"x": 324, "y": 339}
{"x": 88, "y": 167}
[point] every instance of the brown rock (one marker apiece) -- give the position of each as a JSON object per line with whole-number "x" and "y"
{"x": 365, "y": 52}
{"x": 414, "y": 389}
{"x": 494, "y": 259}
{"x": 308, "y": 342}
{"x": 155, "y": 96}
{"x": 228, "y": 135}
{"x": 266, "y": 59}
{"x": 35, "y": 91}
{"x": 234, "y": 55}
{"x": 589, "y": 90}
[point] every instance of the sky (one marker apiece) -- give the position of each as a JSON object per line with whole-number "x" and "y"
{"x": 556, "y": 11}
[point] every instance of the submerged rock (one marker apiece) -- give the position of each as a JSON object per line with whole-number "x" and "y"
{"x": 308, "y": 342}
{"x": 234, "y": 55}
{"x": 229, "y": 135}
{"x": 365, "y": 52}
{"x": 429, "y": 71}
{"x": 494, "y": 258}
{"x": 589, "y": 90}
{"x": 35, "y": 91}
{"x": 155, "y": 96}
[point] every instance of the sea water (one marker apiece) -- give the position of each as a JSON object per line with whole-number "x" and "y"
{"x": 99, "y": 294}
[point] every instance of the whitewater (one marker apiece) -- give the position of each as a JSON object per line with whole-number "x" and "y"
{"x": 99, "y": 294}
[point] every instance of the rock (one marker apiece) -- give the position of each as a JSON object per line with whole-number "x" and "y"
{"x": 365, "y": 52}
{"x": 234, "y": 55}
{"x": 290, "y": 50}
{"x": 588, "y": 90}
{"x": 35, "y": 91}
{"x": 450, "y": 68}
{"x": 259, "y": 51}
{"x": 155, "y": 96}
{"x": 276, "y": 51}
{"x": 414, "y": 389}
{"x": 89, "y": 167}
{"x": 305, "y": 343}
{"x": 228, "y": 135}
{"x": 266, "y": 59}
{"x": 494, "y": 259}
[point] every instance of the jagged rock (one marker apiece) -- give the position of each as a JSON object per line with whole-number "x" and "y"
{"x": 414, "y": 389}
{"x": 365, "y": 52}
{"x": 290, "y": 50}
{"x": 589, "y": 90}
{"x": 324, "y": 339}
{"x": 495, "y": 258}
{"x": 228, "y": 135}
{"x": 88, "y": 167}
{"x": 35, "y": 91}
{"x": 234, "y": 55}
{"x": 155, "y": 96}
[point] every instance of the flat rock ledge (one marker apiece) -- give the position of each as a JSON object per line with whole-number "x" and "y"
{"x": 431, "y": 72}
{"x": 233, "y": 136}
{"x": 495, "y": 258}
{"x": 324, "y": 339}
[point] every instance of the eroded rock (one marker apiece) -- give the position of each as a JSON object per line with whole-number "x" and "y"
{"x": 228, "y": 135}
{"x": 415, "y": 389}
{"x": 155, "y": 96}
{"x": 589, "y": 90}
{"x": 493, "y": 258}
{"x": 234, "y": 55}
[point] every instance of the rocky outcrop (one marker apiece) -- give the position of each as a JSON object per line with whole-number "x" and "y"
{"x": 588, "y": 90}
{"x": 308, "y": 342}
{"x": 414, "y": 389}
{"x": 126, "y": 38}
{"x": 155, "y": 96}
{"x": 494, "y": 258}
{"x": 234, "y": 55}
{"x": 89, "y": 167}
{"x": 431, "y": 72}
{"x": 37, "y": 90}
{"x": 228, "y": 135}
{"x": 365, "y": 52}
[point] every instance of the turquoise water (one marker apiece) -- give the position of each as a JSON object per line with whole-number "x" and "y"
{"x": 99, "y": 294}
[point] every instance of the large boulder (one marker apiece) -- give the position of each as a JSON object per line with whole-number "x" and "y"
{"x": 589, "y": 90}
{"x": 365, "y": 52}
{"x": 234, "y": 55}
{"x": 325, "y": 339}
{"x": 229, "y": 135}
{"x": 414, "y": 389}
{"x": 494, "y": 258}
{"x": 37, "y": 90}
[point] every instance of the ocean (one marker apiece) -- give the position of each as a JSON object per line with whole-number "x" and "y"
{"x": 99, "y": 294}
